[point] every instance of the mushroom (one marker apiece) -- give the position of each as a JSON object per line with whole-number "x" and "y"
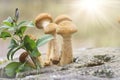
{"x": 54, "y": 53}
{"x": 65, "y": 28}
{"x": 24, "y": 57}
{"x": 44, "y": 21}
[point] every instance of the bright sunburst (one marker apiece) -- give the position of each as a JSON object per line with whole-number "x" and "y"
{"x": 96, "y": 12}
{"x": 91, "y": 5}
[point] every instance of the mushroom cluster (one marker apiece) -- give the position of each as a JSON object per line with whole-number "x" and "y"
{"x": 63, "y": 26}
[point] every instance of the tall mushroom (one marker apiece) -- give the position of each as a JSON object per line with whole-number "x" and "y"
{"x": 44, "y": 21}
{"x": 65, "y": 28}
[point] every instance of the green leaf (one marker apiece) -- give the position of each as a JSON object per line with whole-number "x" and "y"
{"x": 21, "y": 68}
{"x": 11, "y": 68}
{"x": 29, "y": 43}
{"x": 4, "y": 26}
{"x": 4, "y": 35}
{"x": 43, "y": 40}
{"x": 13, "y": 44}
{"x": 12, "y": 51}
{"x": 21, "y": 30}
{"x": 24, "y": 67}
{"x": 8, "y": 21}
{"x": 27, "y": 67}
{"x": 21, "y": 23}
{"x": 9, "y": 53}
{"x": 11, "y": 29}
{"x": 13, "y": 48}
{"x": 35, "y": 53}
{"x": 31, "y": 24}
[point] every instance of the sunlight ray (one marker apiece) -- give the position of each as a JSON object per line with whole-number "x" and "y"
{"x": 97, "y": 12}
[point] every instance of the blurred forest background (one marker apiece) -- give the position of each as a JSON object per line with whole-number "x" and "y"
{"x": 94, "y": 30}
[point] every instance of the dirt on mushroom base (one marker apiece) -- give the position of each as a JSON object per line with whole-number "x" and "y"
{"x": 90, "y": 64}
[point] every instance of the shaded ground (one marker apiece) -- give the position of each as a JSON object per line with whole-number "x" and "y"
{"x": 89, "y": 64}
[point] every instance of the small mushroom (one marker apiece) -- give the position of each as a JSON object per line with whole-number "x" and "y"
{"x": 44, "y": 21}
{"x": 24, "y": 57}
{"x": 66, "y": 28}
{"x": 54, "y": 53}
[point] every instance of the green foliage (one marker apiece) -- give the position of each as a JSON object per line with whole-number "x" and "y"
{"x": 4, "y": 35}
{"x": 8, "y": 22}
{"x": 20, "y": 31}
{"x": 15, "y": 67}
{"x": 12, "y": 51}
{"x": 31, "y": 47}
{"x": 29, "y": 43}
{"x": 43, "y": 40}
{"x": 15, "y": 30}
{"x": 11, "y": 68}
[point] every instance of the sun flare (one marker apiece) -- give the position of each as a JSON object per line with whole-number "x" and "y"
{"x": 100, "y": 13}
{"x": 91, "y": 5}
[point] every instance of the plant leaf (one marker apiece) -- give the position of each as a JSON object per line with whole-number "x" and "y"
{"x": 21, "y": 68}
{"x": 31, "y": 24}
{"x": 21, "y": 30}
{"x": 7, "y": 23}
{"x": 21, "y": 23}
{"x": 11, "y": 68}
{"x": 4, "y": 35}
{"x": 12, "y": 51}
{"x": 35, "y": 53}
{"x": 9, "y": 20}
{"x": 43, "y": 40}
{"x": 12, "y": 47}
{"x": 24, "y": 67}
{"x": 29, "y": 43}
{"x": 4, "y": 26}
{"x": 9, "y": 53}
{"x": 13, "y": 44}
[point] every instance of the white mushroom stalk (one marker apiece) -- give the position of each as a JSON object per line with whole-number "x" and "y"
{"x": 45, "y": 23}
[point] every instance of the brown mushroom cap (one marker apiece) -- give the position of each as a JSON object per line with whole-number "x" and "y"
{"x": 23, "y": 56}
{"x": 51, "y": 28}
{"x": 66, "y": 28}
{"x": 62, "y": 18}
{"x": 41, "y": 18}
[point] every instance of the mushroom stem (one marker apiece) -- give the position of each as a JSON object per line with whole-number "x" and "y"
{"x": 47, "y": 60}
{"x": 66, "y": 54}
{"x": 53, "y": 52}
{"x": 54, "y": 57}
